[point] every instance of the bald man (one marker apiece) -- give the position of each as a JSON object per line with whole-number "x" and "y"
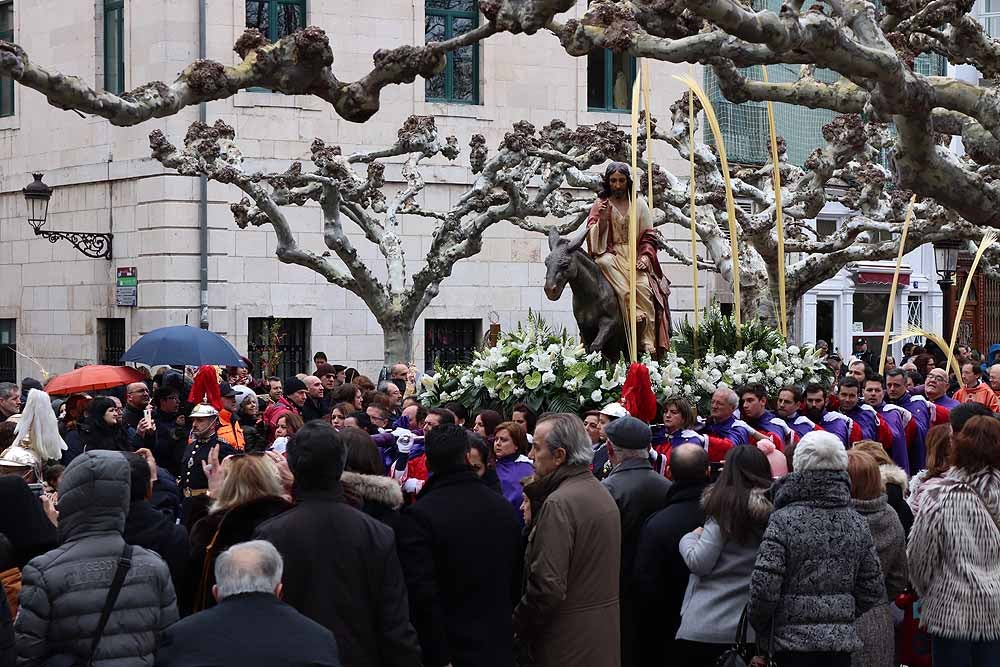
{"x": 316, "y": 405}
{"x": 660, "y": 574}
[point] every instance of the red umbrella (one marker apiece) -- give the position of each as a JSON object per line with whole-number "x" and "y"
{"x": 92, "y": 378}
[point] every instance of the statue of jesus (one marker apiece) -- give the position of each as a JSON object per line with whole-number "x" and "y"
{"x": 607, "y": 242}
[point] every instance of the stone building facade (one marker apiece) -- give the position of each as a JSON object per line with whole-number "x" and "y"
{"x": 58, "y": 306}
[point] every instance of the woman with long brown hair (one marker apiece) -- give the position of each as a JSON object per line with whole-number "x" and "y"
{"x": 721, "y": 556}
{"x": 938, "y": 451}
{"x": 246, "y": 490}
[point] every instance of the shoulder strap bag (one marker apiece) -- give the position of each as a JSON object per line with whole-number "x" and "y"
{"x": 124, "y": 565}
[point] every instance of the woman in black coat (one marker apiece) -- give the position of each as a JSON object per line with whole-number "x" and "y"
{"x": 103, "y": 428}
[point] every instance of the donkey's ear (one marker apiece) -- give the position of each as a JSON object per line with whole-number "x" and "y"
{"x": 578, "y": 238}
{"x": 553, "y": 238}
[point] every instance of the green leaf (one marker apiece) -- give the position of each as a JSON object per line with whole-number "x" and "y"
{"x": 533, "y": 381}
{"x": 490, "y": 380}
{"x": 505, "y": 393}
{"x": 534, "y": 401}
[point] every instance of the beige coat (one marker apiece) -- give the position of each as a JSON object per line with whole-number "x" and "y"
{"x": 569, "y": 611}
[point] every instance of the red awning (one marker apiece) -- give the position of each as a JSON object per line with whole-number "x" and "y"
{"x": 879, "y": 278}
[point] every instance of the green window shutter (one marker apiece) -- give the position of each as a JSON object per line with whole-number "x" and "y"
{"x": 7, "y": 34}
{"x": 275, "y": 19}
{"x": 114, "y": 46}
{"x": 610, "y": 77}
{"x": 459, "y": 82}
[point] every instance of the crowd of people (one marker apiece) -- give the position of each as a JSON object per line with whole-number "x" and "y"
{"x": 324, "y": 519}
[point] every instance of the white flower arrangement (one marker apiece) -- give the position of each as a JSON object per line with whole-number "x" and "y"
{"x": 552, "y": 371}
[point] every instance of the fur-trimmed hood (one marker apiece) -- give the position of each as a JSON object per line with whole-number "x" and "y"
{"x": 893, "y": 474}
{"x": 759, "y": 503}
{"x": 373, "y": 488}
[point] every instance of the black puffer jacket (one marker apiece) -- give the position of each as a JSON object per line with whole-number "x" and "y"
{"x": 64, "y": 590}
{"x": 817, "y": 569}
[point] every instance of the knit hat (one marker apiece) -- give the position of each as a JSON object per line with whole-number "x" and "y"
{"x": 819, "y": 450}
{"x": 292, "y": 385}
{"x": 628, "y": 433}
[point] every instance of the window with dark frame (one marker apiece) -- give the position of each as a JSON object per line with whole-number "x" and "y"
{"x": 609, "y": 81}
{"x": 114, "y": 46}
{"x": 289, "y": 339}
{"x": 6, "y": 34}
{"x": 8, "y": 347}
{"x": 459, "y": 82}
{"x": 111, "y": 340}
{"x": 450, "y": 342}
{"x": 276, "y": 18}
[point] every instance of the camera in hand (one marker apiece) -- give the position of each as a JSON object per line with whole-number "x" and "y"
{"x": 37, "y": 489}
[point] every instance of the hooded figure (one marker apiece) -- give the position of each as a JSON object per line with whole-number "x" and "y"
{"x": 64, "y": 590}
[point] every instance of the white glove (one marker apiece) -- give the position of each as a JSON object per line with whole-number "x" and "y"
{"x": 400, "y": 432}
{"x": 404, "y": 442}
{"x": 413, "y": 485}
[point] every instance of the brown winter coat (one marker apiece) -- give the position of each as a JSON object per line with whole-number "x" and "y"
{"x": 569, "y": 612}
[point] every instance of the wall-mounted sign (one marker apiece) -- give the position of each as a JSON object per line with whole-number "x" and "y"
{"x": 127, "y": 287}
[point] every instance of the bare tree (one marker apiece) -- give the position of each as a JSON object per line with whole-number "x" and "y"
{"x": 349, "y": 187}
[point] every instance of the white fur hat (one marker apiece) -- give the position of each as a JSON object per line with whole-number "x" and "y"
{"x": 819, "y": 450}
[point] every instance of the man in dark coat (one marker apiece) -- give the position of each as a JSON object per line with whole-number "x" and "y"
{"x": 250, "y": 626}
{"x": 659, "y": 573}
{"x": 638, "y": 491}
{"x": 341, "y": 567}
{"x": 461, "y": 611}
{"x": 152, "y": 528}
{"x": 171, "y": 429}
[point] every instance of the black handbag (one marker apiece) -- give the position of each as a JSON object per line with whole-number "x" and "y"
{"x": 743, "y": 652}
{"x": 124, "y": 565}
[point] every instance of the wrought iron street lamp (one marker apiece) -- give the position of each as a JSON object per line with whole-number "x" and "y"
{"x": 946, "y": 265}
{"x": 37, "y": 196}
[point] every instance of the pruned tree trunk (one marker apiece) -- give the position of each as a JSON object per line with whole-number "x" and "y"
{"x": 397, "y": 338}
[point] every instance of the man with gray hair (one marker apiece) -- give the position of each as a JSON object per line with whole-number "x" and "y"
{"x": 250, "y": 625}
{"x": 638, "y": 491}
{"x": 393, "y": 393}
{"x": 569, "y": 613}
{"x": 10, "y": 400}
{"x": 723, "y": 429}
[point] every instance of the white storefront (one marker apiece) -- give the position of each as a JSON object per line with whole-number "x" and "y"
{"x": 854, "y": 303}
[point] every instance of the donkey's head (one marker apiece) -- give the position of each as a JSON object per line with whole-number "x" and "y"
{"x": 560, "y": 265}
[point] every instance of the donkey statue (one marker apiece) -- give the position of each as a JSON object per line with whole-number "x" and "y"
{"x": 595, "y": 305}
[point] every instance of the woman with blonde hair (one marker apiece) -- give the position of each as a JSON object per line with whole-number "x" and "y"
{"x": 893, "y": 477}
{"x": 869, "y": 500}
{"x": 246, "y": 490}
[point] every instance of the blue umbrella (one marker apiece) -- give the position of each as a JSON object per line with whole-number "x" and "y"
{"x": 183, "y": 346}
